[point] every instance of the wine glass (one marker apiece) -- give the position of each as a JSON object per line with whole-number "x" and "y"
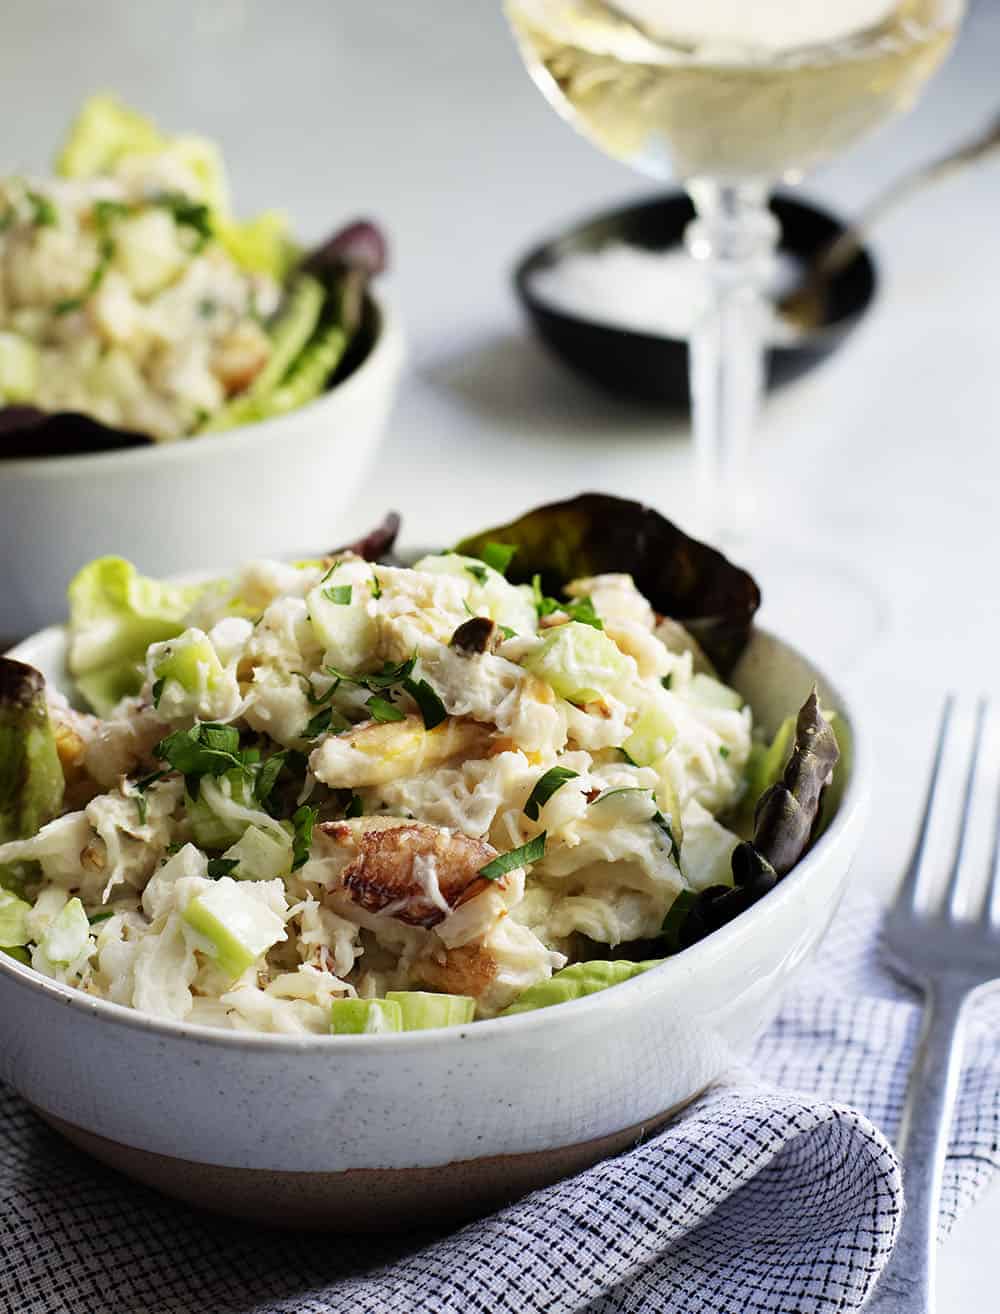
{"x": 730, "y": 97}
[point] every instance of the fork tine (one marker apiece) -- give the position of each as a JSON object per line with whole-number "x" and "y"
{"x": 953, "y": 890}
{"x": 907, "y": 894}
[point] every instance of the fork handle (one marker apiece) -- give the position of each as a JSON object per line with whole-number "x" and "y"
{"x": 906, "y": 1285}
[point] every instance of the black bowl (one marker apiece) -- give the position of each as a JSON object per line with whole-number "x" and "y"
{"x": 652, "y": 368}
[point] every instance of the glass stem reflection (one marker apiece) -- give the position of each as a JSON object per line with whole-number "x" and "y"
{"x": 734, "y": 235}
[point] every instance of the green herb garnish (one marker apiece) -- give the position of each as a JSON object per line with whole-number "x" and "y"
{"x": 319, "y": 724}
{"x": 267, "y": 776}
{"x": 192, "y": 214}
{"x": 338, "y": 593}
{"x": 477, "y": 572}
{"x": 545, "y": 787}
{"x": 376, "y": 586}
{"x": 723, "y": 751}
{"x": 580, "y": 609}
{"x": 374, "y": 681}
{"x": 208, "y": 749}
{"x": 101, "y": 916}
{"x": 432, "y": 709}
{"x": 533, "y": 851}
{"x": 219, "y": 867}
{"x": 303, "y": 820}
{"x": 507, "y": 632}
{"x": 383, "y": 710}
{"x": 660, "y": 821}
{"x": 498, "y": 555}
{"x": 158, "y": 686}
{"x": 44, "y": 213}
{"x": 667, "y": 681}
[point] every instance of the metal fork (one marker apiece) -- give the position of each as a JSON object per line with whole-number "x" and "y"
{"x": 948, "y": 958}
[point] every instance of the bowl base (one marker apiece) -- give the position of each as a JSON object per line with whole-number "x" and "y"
{"x": 359, "y": 1199}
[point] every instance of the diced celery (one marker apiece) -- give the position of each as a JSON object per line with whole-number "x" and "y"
{"x": 422, "y": 1010}
{"x": 211, "y": 827}
{"x": 652, "y": 734}
{"x": 767, "y": 762}
{"x": 67, "y": 934}
{"x": 238, "y": 926}
{"x": 261, "y": 855}
{"x": 712, "y": 693}
{"x": 190, "y": 660}
{"x": 345, "y": 630}
{"x": 18, "y": 368}
{"x": 309, "y": 374}
{"x": 291, "y": 331}
{"x": 13, "y": 925}
{"x": 365, "y": 1017}
{"x": 579, "y": 662}
{"x": 18, "y": 954}
{"x": 575, "y": 982}
{"x": 261, "y": 244}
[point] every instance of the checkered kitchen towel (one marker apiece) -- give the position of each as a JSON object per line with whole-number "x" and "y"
{"x": 771, "y": 1193}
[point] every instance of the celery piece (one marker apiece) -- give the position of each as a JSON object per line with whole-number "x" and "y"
{"x": 66, "y": 936}
{"x": 365, "y": 1017}
{"x": 575, "y": 982}
{"x": 13, "y": 925}
{"x": 579, "y": 662}
{"x": 189, "y": 659}
{"x": 291, "y": 330}
{"x": 18, "y": 368}
{"x": 238, "y": 927}
{"x": 260, "y": 855}
{"x": 18, "y": 954}
{"x": 422, "y": 1010}
{"x": 211, "y": 827}
{"x": 345, "y": 630}
{"x": 653, "y": 732}
{"x": 713, "y": 693}
{"x": 309, "y": 374}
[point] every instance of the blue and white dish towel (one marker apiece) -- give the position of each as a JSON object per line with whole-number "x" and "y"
{"x": 777, "y": 1191}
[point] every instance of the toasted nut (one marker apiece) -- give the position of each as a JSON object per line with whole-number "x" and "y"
{"x": 477, "y": 635}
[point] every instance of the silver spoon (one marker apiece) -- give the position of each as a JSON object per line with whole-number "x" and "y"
{"x": 804, "y": 303}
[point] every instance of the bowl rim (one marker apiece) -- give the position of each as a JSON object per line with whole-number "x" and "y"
{"x": 539, "y": 256}
{"x": 852, "y": 808}
{"x": 388, "y": 336}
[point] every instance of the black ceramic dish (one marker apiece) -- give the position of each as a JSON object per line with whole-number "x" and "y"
{"x": 646, "y": 367}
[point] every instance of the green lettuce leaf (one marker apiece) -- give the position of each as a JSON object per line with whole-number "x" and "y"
{"x": 114, "y": 615}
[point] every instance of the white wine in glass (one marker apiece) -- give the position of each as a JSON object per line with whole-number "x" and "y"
{"x": 730, "y": 97}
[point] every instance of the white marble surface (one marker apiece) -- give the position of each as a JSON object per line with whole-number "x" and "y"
{"x": 886, "y": 459}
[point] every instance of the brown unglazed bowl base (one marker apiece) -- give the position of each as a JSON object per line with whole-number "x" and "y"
{"x": 359, "y": 1199}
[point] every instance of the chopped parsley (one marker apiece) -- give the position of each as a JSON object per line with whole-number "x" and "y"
{"x": 533, "y": 851}
{"x": 545, "y": 787}
{"x": 579, "y": 609}
{"x": 723, "y": 751}
{"x": 389, "y": 675}
{"x": 498, "y": 555}
{"x": 312, "y": 697}
{"x": 208, "y": 749}
{"x": 192, "y": 214}
{"x": 219, "y": 867}
{"x": 140, "y": 794}
{"x": 319, "y": 724}
{"x": 355, "y": 808}
{"x": 158, "y": 687}
{"x": 101, "y": 916}
{"x": 383, "y": 710}
{"x": 507, "y": 632}
{"x": 376, "y": 586}
{"x": 267, "y": 776}
{"x": 338, "y": 593}
{"x": 477, "y": 572}
{"x": 303, "y": 820}
{"x": 105, "y": 211}
{"x": 43, "y": 212}
{"x": 432, "y": 709}
{"x": 667, "y": 681}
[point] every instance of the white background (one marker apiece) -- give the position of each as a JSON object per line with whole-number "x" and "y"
{"x": 421, "y": 115}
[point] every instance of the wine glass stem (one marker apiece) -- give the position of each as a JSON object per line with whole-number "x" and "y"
{"x": 734, "y": 236}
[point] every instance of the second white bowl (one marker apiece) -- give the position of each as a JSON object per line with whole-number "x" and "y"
{"x": 271, "y": 489}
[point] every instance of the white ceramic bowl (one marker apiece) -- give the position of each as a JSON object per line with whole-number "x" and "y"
{"x": 355, "y": 1131}
{"x": 270, "y": 489}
